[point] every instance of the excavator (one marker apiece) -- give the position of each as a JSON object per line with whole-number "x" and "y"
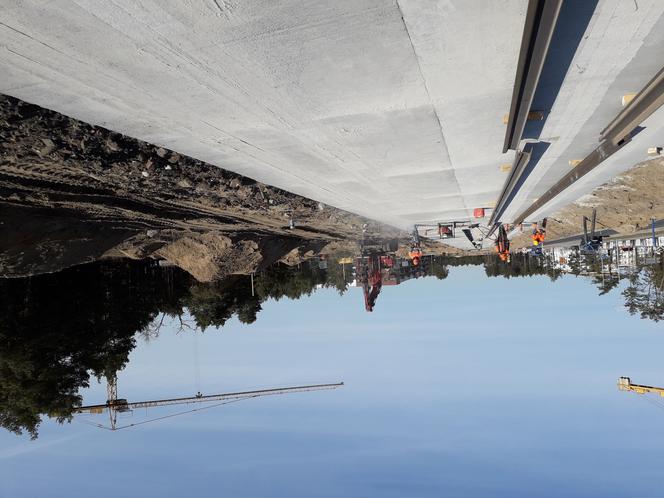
{"x": 591, "y": 242}
{"x": 374, "y": 256}
{"x": 372, "y": 280}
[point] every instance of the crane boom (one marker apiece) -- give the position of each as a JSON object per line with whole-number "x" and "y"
{"x": 123, "y": 405}
{"x": 625, "y": 384}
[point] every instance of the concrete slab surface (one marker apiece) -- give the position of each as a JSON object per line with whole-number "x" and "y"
{"x": 621, "y": 50}
{"x": 390, "y": 109}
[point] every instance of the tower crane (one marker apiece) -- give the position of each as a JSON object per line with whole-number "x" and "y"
{"x": 625, "y": 384}
{"x": 115, "y": 405}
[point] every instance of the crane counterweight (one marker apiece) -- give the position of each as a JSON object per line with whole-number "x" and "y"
{"x": 625, "y": 384}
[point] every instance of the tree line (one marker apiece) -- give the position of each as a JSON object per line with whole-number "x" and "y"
{"x": 61, "y": 331}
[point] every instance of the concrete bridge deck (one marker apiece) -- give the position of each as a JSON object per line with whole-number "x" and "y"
{"x": 392, "y": 110}
{"x": 389, "y": 109}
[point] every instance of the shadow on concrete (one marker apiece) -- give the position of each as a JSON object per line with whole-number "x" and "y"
{"x": 536, "y": 151}
{"x": 572, "y": 24}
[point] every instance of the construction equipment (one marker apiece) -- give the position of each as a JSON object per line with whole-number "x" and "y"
{"x": 374, "y": 256}
{"x": 382, "y": 246}
{"x": 591, "y": 242}
{"x": 115, "y": 405}
{"x": 471, "y": 239}
{"x": 625, "y": 384}
{"x": 502, "y": 244}
{"x": 449, "y": 230}
{"x": 443, "y": 230}
{"x": 369, "y": 273}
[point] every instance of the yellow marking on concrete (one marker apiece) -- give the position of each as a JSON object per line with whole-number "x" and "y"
{"x": 532, "y": 116}
{"x": 535, "y": 116}
{"x": 574, "y": 162}
{"x": 504, "y": 168}
{"x": 627, "y": 98}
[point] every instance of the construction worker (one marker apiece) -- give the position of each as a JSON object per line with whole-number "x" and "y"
{"x": 502, "y": 245}
{"x": 415, "y": 255}
{"x": 503, "y": 253}
{"x": 539, "y": 234}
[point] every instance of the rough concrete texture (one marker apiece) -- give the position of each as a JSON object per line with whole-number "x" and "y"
{"x": 621, "y": 50}
{"x": 390, "y": 109}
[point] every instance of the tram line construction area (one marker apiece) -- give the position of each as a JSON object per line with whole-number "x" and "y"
{"x": 406, "y": 112}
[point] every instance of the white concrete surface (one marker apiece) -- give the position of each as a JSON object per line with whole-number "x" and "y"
{"x": 390, "y": 109}
{"x": 631, "y": 154}
{"x": 622, "y": 49}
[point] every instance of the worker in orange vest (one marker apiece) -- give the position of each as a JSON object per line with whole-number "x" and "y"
{"x": 539, "y": 234}
{"x": 502, "y": 244}
{"x": 503, "y": 252}
{"x": 415, "y": 255}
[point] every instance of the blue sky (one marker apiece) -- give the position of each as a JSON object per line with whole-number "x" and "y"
{"x": 463, "y": 387}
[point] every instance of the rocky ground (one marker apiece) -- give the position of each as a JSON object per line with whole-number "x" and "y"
{"x": 72, "y": 193}
{"x": 626, "y": 204}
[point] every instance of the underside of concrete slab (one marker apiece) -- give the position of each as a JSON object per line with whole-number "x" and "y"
{"x": 387, "y": 109}
{"x": 393, "y": 110}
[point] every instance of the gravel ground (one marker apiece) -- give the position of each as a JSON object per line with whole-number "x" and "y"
{"x": 72, "y": 193}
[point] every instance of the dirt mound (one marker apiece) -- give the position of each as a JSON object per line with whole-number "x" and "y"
{"x": 212, "y": 256}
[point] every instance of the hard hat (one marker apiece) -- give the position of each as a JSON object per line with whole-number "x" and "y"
{"x": 536, "y": 242}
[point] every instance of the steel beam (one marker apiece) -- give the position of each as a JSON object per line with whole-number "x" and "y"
{"x": 541, "y": 18}
{"x": 592, "y": 160}
{"x": 615, "y": 136}
{"x": 647, "y": 101}
{"x": 518, "y": 166}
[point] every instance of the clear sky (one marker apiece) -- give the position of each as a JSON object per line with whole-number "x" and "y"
{"x": 466, "y": 387}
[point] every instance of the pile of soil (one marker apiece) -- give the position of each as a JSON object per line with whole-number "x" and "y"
{"x": 72, "y": 193}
